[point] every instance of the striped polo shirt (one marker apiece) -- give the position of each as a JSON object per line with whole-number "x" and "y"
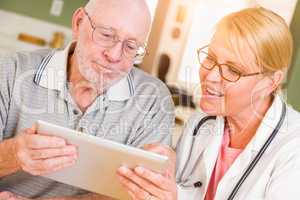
{"x": 135, "y": 111}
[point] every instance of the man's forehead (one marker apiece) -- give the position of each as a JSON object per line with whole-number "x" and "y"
{"x": 132, "y": 9}
{"x": 128, "y": 21}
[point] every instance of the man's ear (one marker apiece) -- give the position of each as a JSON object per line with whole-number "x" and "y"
{"x": 276, "y": 80}
{"x": 76, "y": 21}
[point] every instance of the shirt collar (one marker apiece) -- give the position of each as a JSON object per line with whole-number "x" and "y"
{"x": 52, "y": 74}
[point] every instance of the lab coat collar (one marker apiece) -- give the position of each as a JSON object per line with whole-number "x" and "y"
{"x": 211, "y": 153}
{"x": 52, "y": 74}
{"x": 268, "y": 124}
{"x": 204, "y": 146}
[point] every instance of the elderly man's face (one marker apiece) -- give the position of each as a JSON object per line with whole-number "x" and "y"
{"x": 98, "y": 62}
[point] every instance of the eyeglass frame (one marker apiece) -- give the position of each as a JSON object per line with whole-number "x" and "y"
{"x": 117, "y": 39}
{"x": 219, "y": 65}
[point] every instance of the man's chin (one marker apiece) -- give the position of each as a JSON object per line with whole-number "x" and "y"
{"x": 102, "y": 81}
{"x": 103, "y": 85}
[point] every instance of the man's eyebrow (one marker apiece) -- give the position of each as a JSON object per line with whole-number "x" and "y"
{"x": 116, "y": 32}
{"x": 99, "y": 25}
{"x": 132, "y": 39}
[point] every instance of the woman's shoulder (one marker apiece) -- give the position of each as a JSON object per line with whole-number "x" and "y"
{"x": 198, "y": 120}
{"x": 293, "y": 116}
{"x": 288, "y": 139}
{"x": 291, "y": 127}
{"x": 194, "y": 119}
{"x": 197, "y": 116}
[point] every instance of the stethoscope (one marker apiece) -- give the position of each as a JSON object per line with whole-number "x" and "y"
{"x": 257, "y": 157}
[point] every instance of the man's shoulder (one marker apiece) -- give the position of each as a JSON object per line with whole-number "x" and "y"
{"x": 24, "y": 60}
{"x": 140, "y": 76}
{"x": 144, "y": 83}
{"x": 32, "y": 59}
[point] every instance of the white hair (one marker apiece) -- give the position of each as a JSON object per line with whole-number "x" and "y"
{"x": 92, "y": 4}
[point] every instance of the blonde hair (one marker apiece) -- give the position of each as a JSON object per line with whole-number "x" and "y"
{"x": 264, "y": 32}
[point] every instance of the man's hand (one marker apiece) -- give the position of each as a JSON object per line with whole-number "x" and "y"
{"x": 39, "y": 154}
{"x": 10, "y": 196}
{"x": 91, "y": 196}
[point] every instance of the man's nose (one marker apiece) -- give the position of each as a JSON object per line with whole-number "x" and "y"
{"x": 114, "y": 54}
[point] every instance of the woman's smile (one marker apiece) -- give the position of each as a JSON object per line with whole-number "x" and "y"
{"x": 214, "y": 93}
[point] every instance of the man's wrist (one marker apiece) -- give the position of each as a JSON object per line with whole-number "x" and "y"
{"x": 14, "y": 150}
{"x": 8, "y": 157}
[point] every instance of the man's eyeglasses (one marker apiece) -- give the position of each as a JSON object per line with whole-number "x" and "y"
{"x": 107, "y": 37}
{"x": 227, "y": 71}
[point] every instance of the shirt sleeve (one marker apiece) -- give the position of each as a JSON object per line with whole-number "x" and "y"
{"x": 7, "y": 74}
{"x": 158, "y": 124}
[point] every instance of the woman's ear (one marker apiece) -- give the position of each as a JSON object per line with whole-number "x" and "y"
{"x": 76, "y": 21}
{"x": 276, "y": 80}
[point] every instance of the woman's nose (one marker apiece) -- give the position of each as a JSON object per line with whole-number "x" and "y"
{"x": 214, "y": 75}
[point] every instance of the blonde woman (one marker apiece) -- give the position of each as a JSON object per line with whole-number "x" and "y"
{"x": 246, "y": 143}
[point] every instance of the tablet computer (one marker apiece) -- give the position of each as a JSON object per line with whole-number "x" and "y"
{"x": 98, "y": 161}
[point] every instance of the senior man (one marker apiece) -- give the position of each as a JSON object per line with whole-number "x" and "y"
{"x": 89, "y": 86}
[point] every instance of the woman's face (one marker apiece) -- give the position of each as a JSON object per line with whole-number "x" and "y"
{"x": 221, "y": 97}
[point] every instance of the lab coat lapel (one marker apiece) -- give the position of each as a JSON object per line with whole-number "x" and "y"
{"x": 212, "y": 152}
{"x": 234, "y": 173}
{"x": 206, "y": 135}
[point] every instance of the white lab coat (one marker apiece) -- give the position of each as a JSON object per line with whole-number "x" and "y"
{"x": 275, "y": 177}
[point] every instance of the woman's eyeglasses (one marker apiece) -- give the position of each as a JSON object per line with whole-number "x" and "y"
{"x": 228, "y": 72}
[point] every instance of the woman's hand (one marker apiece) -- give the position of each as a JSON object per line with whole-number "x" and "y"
{"x": 144, "y": 184}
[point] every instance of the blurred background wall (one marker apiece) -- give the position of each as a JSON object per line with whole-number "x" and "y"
{"x": 40, "y": 9}
{"x": 293, "y": 87}
{"x": 179, "y": 28}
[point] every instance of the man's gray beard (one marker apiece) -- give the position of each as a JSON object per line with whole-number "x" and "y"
{"x": 98, "y": 82}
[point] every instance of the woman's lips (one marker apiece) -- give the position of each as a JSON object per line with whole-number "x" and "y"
{"x": 213, "y": 93}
